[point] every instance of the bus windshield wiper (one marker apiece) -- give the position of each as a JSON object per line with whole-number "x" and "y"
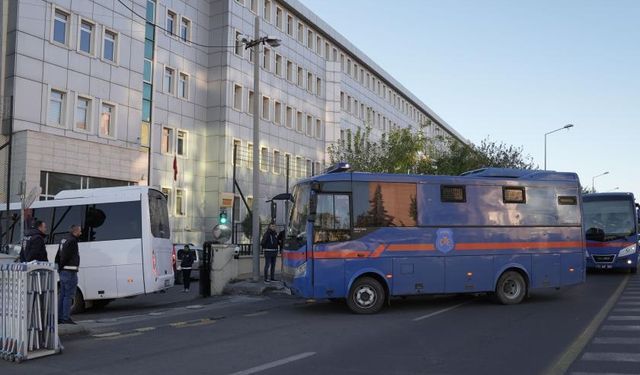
{"x": 612, "y": 237}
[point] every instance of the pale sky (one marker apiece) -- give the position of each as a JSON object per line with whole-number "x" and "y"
{"x": 514, "y": 70}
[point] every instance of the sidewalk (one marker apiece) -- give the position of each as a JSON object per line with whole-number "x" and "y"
{"x": 245, "y": 285}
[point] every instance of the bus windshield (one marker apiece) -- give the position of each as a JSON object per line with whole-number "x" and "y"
{"x": 613, "y": 218}
{"x": 299, "y": 211}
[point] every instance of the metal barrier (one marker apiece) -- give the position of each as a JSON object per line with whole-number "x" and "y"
{"x": 28, "y": 311}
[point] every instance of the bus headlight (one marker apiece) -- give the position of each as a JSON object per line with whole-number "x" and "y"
{"x": 627, "y": 251}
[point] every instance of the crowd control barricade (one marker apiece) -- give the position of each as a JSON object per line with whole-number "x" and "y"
{"x": 28, "y": 311}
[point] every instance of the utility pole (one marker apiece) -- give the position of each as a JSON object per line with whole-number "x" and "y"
{"x": 255, "y": 209}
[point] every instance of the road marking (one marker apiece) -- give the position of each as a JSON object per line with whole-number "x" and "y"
{"x": 563, "y": 363}
{"x": 626, "y": 309}
{"x": 194, "y": 307}
{"x": 439, "y": 312}
{"x": 620, "y": 328}
{"x": 623, "y": 298}
{"x": 123, "y": 336}
{"x": 597, "y": 373}
{"x": 256, "y": 314}
{"x": 623, "y": 318}
{"x": 612, "y": 357}
{"x": 192, "y": 323}
{"x": 273, "y": 364}
{"x": 617, "y": 340}
{"x": 629, "y": 303}
{"x": 109, "y": 334}
{"x": 145, "y": 329}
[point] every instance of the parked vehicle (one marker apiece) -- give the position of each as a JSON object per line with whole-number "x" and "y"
{"x": 365, "y": 237}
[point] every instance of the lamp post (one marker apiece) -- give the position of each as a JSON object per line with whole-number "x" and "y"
{"x": 255, "y": 209}
{"x": 593, "y": 181}
{"x": 568, "y": 126}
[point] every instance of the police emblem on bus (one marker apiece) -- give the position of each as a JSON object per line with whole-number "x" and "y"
{"x": 444, "y": 240}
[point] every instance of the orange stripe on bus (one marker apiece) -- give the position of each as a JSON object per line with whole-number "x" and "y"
{"x": 412, "y": 247}
{"x": 378, "y": 251}
{"x": 340, "y": 254}
{"x": 517, "y": 245}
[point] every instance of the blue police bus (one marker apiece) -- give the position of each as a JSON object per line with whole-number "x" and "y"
{"x": 366, "y": 237}
{"x": 611, "y": 229}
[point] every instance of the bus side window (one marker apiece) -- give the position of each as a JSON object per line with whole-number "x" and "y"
{"x": 64, "y": 217}
{"x": 333, "y": 218}
{"x": 114, "y": 221}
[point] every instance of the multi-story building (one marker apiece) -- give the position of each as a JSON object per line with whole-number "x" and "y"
{"x": 160, "y": 92}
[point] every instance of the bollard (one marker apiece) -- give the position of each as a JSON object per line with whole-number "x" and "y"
{"x": 205, "y": 269}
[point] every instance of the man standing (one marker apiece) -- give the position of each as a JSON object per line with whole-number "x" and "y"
{"x": 68, "y": 259}
{"x": 33, "y": 244}
{"x": 270, "y": 246}
{"x": 187, "y": 257}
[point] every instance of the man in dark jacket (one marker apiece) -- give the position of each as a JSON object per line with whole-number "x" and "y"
{"x": 33, "y": 244}
{"x": 68, "y": 259}
{"x": 270, "y": 245}
{"x": 187, "y": 257}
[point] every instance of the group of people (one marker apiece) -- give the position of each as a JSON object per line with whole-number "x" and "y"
{"x": 67, "y": 258}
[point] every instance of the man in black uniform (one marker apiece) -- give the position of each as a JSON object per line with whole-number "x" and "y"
{"x": 33, "y": 244}
{"x": 270, "y": 245}
{"x": 68, "y": 259}
{"x": 187, "y": 257}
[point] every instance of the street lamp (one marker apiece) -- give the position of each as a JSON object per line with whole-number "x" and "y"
{"x": 255, "y": 209}
{"x": 568, "y": 126}
{"x": 593, "y": 181}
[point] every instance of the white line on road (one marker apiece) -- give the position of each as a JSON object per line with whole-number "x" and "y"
{"x": 617, "y": 340}
{"x": 612, "y": 357}
{"x": 256, "y": 314}
{"x": 629, "y": 303}
{"x": 626, "y": 309}
{"x": 439, "y": 312}
{"x": 620, "y": 328}
{"x": 624, "y": 318}
{"x": 273, "y": 364}
{"x": 597, "y": 373}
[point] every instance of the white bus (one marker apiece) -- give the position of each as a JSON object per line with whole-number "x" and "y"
{"x": 125, "y": 247}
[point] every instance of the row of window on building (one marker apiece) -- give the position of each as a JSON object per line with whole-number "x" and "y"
{"x": 176, "y": 200}
{"x": 312, "y": 39}
{"x": 180, "y": 29}
{"x": 174, "y": 141}
{"x": 278, "y": 113}
{"x": 83, "y": 117}
{"x": 93, "y": 40}
{"x": 276, "y": 161}
{"x": 179, "y": 87}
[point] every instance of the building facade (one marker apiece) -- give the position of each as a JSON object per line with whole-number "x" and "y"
{"x": 160, "y": 92}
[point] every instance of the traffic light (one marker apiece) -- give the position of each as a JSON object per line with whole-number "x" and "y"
{"x": 223, "y": 217}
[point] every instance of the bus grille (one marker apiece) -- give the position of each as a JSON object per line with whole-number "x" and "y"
{"x": 603, "y": 258}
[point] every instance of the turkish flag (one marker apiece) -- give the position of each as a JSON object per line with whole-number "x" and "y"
{"x": 175, "y": 168}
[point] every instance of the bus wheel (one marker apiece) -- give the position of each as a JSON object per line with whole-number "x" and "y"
{"x": 366, "y": 296}
{"x": 511, "y": 288}
{"x": 77, "y": 305}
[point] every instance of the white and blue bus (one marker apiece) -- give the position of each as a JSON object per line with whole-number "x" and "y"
{"x": 125, "y": 247}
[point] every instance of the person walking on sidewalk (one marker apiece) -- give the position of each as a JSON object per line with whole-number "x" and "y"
{"x": 187, "y": 257}
{"x": 270, "y": 246}
{"x": 33, "y": 243}
{"x": 68, "y": 260}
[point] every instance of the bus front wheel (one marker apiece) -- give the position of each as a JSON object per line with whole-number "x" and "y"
{"x": 511, "y": 288}
{"x": 366, "y": 296}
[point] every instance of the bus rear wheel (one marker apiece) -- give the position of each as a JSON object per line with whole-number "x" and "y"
{"x": 77, "y": 305}
{"x": 511, "y": 288}
{"x": 366, "y": 296}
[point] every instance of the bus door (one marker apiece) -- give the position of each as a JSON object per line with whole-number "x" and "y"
{"x": 297, "y": 259}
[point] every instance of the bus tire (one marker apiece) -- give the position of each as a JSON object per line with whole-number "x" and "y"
{"x": 511, "y": 288}
{"x": 77, "y": 305}
{"x": 366, "y": 296}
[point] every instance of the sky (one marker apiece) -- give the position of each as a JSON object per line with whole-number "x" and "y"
{"x": 515, "y": 70}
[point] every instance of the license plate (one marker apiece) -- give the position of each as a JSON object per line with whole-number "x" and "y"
{"x": 604, "y": 266}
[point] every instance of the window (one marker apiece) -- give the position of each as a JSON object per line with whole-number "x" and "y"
{"x": 514, "y": 195}
{"x": 185, "y": 29}
{"x": 299, "y": 167}
{"x": 169, "y": 77}
{"x": 289, "y": 118}
{"x": 83, "y": 113}
{"x": 86, "y": 37}
{"x": 181, "y": 144}
{"x": 60, "y": 24}
{"x": 264, "y": 159}
{"x": 567, "y": 200}
{"x": 107, "y": 126}
{"x": 289, "y": 25}
{"x": 252, "y": 58}
{"x": 385, "y": 204}
{"x": 309, "y": 168}
{"x": 310, "y": 82}
{"x": 249, "y": 157}
{"x": 318, "y": 45}
{"x": 334, "y": 56}
{"x": 279, "y": 18}
{"x": 300, "y": 32}
{"x": 267, "y": 10}
{"x": 110, "y": 45}
{"x": 348, "y": 103}
{"x": 266, "y": 108}
{"x": 278, "y": 65}
{"x": 289, "y": 71}
{"x": 183, "y": 86}
{"x": 317, "y": 168}
{"x": 239, "y": 45}
{"x": 319, "y": 86}
{"x": 166, "y": 144}
{"x": 171, "y": 22}
{"x": 180, "y": 202}
{"x": 300, "y": 77}
{"x": 327, "y": 51}
{"x": 167, "y": 193}
{"x": 277, "y": 162}
{"x": 254, "y": 6}
{"x": 349, "y": 66}
{"x": 342, "y": 106}
{"x": 56, "y": 107}
{"x": 318, "y": 130}
{"x": 309, "y": 126}
{"x": 300, "y": 122}
{"x": 309, "y": 39}
{"x": 237, "y": 97}
{"x": 277, "y": 113}
{"x": 250, "y": 103}
{"x": 266, "y": 59}
{"x": 333, "y": 218}
{"x": 453, "y": 193}
{"x": 61, "y": 218}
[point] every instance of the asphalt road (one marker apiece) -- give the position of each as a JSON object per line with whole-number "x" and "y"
{"x": 279, "y": 334}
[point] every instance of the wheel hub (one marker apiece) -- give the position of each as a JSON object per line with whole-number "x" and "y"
{"x": 365, "y": 296}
